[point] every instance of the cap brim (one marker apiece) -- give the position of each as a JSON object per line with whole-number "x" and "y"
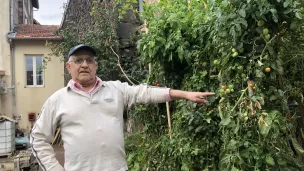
{"x": 86, "y": 47}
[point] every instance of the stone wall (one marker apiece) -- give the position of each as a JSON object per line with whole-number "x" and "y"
{"x": 77, "y": 15}
{"x": 128, "y": 33}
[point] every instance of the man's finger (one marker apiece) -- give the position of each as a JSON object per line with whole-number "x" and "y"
{"x": 207, "y": 93}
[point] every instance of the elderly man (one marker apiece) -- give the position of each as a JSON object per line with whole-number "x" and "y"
{"x": 89, "y": 112}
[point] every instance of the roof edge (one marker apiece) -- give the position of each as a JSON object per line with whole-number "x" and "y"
{"x": 64, "y": 14}
{"x": 35, "y": 3}
{"x": 36, "y": 38}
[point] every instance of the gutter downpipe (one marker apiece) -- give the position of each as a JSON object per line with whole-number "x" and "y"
{"x": 11, "y": 15}
{"x": 12, "y": 51}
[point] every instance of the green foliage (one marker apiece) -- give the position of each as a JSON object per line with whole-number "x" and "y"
{"x": 220, "y": 46}
{"x": 206, "y": 46}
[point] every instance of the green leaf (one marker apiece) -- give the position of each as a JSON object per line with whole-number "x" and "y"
{"x": 191, "y": 120}
{"x": 281, "y": 162}
{"x": 264, "y": 127}
{"x": 280, "y": 70}
{"x": 297, "y": 146}
{"x": 225, "y": 121}
{"x": 180, "y": 52}
{"x": 234, "y": 169}
{"x": 131, "y": 156}
{"x": 204, "y": 73}
{"x": 273, "y": 66}
{"x": 237, "y": 128}
{"x": 272, "y": 97}
{"x": 225, "y": 160}
{"x": 136, "y": 167}
{"x": 195, "y": 152}
{"x": 299, "y": 15}
{"x": 152, "y": 44}
{"x": 232, "y": 31}
{"x": 185, "y": 168}
{"x": 274, "y": 15}
{"x": 208, "y": 120}
{"x": 281, "y": 93}
{"x": 150, "y": 52}
{"x": 242, "y": 13}
{"x": 259, "y": 73}
{"x": 271, "y": 50}
{"x": 279, "y": 62}
{"x": 292, "y": 159}
{"x": 238, "y": 27}
{"x": 244, "y": 22}
{"x": 246, "y": 143}
{"x": 288, "y": 11}
{"x": 270, "y": 160}
{"x": 198, "y": 129}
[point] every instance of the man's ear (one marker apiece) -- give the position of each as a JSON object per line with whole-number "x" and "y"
{"x": 68, "y": 67}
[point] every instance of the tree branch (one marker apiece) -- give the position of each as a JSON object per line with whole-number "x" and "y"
{"x": 119, "y": 65}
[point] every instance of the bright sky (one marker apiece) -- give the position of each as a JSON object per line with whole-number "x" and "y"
{"x": 50, "y": 12}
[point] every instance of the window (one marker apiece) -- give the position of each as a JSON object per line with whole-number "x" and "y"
{"x": 34, "y": 71}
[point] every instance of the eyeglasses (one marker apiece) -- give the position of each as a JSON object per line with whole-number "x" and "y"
{"x": 81, "y": 60}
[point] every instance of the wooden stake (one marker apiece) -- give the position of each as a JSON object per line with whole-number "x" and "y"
{"x": 58, "y": 131}
{"x": 150, "y": 68}
{"x": 169, "y": 119}
{"x": 167, "y": 103}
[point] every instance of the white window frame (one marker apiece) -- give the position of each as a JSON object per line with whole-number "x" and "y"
{"x": 34, "y": 71}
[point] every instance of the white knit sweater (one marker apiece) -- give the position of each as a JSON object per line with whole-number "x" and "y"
{"x": 91, "y": 126}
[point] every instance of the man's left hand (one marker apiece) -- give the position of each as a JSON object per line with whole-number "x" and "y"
{"x": 198, "y": 97}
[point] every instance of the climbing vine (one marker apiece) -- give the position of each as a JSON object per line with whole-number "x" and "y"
{"x": 250, "y": 54}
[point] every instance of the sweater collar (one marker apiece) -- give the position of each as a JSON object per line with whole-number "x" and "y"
{"x": 75, "y": 85}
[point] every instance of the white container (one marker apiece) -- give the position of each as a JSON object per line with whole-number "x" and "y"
{"x": 7, "y": 137}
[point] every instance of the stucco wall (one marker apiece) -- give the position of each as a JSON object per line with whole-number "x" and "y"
{"x": 31, "y": 99}
{"x": 5, "y": 99}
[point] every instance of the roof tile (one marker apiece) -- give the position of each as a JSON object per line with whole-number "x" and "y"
{"x": 36, "y": 31}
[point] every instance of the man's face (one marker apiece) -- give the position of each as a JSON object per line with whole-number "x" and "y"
{"x": 82, "y": 66}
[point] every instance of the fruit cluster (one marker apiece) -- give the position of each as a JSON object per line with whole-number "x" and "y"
{"x": 226, "y": 90}
{"x": 265, "y": 31}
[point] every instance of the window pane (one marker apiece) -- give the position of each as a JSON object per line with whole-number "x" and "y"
{"x": 29, "y": 70}
{"x": 39, "y": 70}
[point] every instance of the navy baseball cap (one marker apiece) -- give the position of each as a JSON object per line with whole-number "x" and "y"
{"x": 81, "y": 46}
